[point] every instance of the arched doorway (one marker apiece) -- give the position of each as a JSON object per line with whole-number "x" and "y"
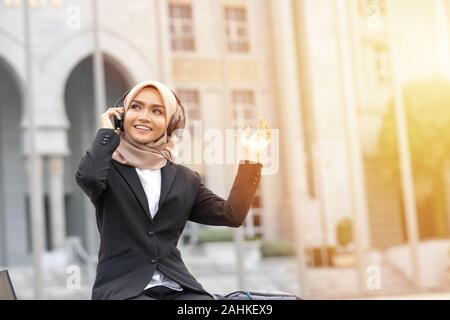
{"x": 13, "y": 225}
{"x": 79, "y": 102}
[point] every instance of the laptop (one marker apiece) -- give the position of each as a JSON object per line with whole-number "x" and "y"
{"x": 6, "y": 287}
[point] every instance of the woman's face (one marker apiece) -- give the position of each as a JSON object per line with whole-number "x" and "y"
{"x": 145, "y": 119}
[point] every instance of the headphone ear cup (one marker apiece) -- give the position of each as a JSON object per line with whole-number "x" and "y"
{"x": 122, "y": 121}
{"x": 177, "y": 121}
{"x": 172, "y": 125}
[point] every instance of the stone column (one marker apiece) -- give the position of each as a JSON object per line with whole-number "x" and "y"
{"x": 446, "y": 175}
{"x": 441, "y": 35}
{"x": 164, "y": 53}
{"x": 56, "y": 197}
{"x": 406, "y": 174}
{"x": 353, "y": 143}
{"x": 291, "y": 135}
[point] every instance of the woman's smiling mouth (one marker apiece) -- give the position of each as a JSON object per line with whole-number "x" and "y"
{"x": 142, "y": 128}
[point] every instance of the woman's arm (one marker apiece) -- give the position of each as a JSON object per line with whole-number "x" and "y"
{"x": 94, "y": 166}
{"x": 211, "y": 209}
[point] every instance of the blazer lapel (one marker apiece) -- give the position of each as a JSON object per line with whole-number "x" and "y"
{"x": 130, "y": 176}
{"x": 167, "y": 177}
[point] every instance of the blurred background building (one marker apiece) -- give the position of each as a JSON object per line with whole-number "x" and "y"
{"x": 323, "y": 72}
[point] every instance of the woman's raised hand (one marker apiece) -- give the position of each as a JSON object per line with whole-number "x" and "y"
{"x": 254, "y": 143}
{"x": 105, "y": 118}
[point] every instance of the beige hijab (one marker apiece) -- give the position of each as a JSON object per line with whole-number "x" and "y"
{"x": 153, "y": 155}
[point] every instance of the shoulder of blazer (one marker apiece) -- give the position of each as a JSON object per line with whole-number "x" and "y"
{"x": 187, "y": 172}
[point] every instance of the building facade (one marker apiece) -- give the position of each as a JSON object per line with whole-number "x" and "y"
{"x": 223, "y": 78}
{"x": 299, "y": 64}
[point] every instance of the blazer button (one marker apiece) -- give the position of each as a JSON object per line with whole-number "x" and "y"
{"x": 153, "y": 261}
{"x": 151, "y": 233}
{"x": 103, "y": 142}
{"x": 107, "y": 135}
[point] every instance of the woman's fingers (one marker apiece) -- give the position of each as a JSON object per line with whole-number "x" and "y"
{"x": 261, "y": 122}
{"x": 113, "y": 112}
{"x": 259, "y": 139}
{"x": 264, "y": 130}
{"x": 105, "y": 119}
{"x": 117, "y": 114}
{"x": 114, "y": 109}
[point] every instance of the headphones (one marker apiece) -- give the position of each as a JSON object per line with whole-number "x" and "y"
{"x": 177, "y": 120}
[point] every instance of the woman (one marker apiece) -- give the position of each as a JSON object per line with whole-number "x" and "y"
{"x": 143, "y": 199}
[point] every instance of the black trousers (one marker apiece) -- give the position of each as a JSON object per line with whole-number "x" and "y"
{"x": 164, "y": 293}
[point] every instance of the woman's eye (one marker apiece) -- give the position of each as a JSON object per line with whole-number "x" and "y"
{"x": 157, "y": 111}
{"x": 134, "y": 106}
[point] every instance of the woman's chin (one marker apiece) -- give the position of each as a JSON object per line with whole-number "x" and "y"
{"x": 142, "y": 138}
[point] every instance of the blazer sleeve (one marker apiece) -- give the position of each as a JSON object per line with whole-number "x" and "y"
{"x": 93, "y": 169}
{"x": 211, "y": 209}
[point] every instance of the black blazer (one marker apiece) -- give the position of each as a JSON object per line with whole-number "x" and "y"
{"x": 133, "y": 244}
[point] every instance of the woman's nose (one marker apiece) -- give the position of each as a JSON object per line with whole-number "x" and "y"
{"x": 145, "y": 115}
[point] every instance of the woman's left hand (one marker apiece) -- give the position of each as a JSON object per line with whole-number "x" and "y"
{"x": 254, "y": 143}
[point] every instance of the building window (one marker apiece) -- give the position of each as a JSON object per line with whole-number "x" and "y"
{"x": 33, "y": 3}
{"x": 373, "y": 5}
{"x": 243, "y": 108}
{"x": 382, "y": 63}
{"x": 236, "y": 29}
{"x": 193, "y": 154}
{"x": 181, "y": 27}
{"x": 191, "y": 102}
{"x": 377, "y": 64}
{"x": 12, "y": 3}
{"x": 373, "y": 12}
